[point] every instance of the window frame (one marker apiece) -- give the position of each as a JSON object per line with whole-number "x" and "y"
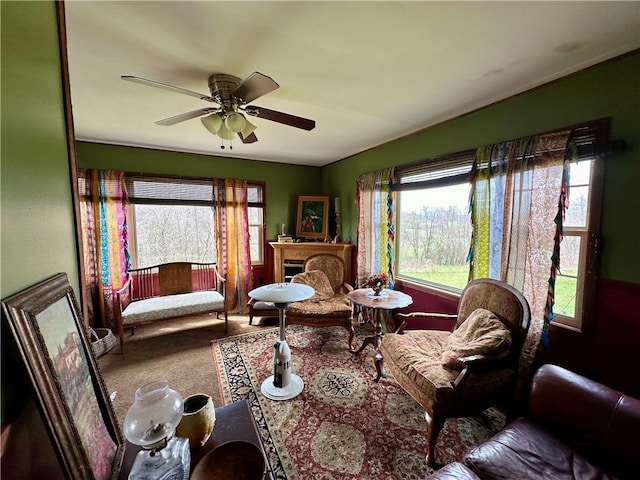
{"x": 589, "y": 138}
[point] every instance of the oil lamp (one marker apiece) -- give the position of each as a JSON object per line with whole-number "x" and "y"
{"x": 151, "y": 423}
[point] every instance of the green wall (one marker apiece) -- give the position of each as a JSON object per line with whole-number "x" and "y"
{"x": 609, "y": 90}
{"x": 283, "y": 183}
{"x": 38, "y": 232}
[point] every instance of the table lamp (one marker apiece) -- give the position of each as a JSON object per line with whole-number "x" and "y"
{"x": 283, "y": 384}
{"x": 151, "y": 423}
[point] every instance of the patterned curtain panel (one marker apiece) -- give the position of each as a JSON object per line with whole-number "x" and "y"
{"x": 518, "y": 201}
{"x": 376, "y": 225}
{"x": 104, "y": 237}
{"x": 232, "y": 239}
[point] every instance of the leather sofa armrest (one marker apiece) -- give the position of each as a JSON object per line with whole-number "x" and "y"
{"x": 600, "y": 422}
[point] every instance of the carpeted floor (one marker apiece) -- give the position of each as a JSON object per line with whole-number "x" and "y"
{"x": 343, "y": 424}
{"x": 175, "y": 350}
{"x": 383, "y": 436}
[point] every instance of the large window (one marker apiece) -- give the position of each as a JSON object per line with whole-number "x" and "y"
{"x": 434, "y": 233}
{"x": 171, "y": 219}
{"x": 434, "y": 225}
{"x": 173, "y": 233}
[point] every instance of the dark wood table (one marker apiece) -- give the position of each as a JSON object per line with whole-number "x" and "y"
{"x": 233, "y": 422}
{"x": 389, "y": 300}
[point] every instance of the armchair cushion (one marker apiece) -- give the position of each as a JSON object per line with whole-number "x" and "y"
{"x": 480, "y": 334}
{"x": 319, "y": 281}
{"x": 415, "y": 360}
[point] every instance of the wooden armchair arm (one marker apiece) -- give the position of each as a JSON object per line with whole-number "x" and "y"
{"x": 476, "y": 363}
{"x": 403, "y": 319}
{"x": 346, "y": 287}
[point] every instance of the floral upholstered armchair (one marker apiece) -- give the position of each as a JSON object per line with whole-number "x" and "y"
{"x": 329, "y": 306}
{"x": 463, "y": 372}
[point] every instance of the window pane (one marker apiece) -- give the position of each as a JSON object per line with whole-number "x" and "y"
{"x": 255, "y": 234}
{"x": 576, "y": 215}
{"x": 434, "y": 236}
{"x": 567, "y": 280}
{"x": 174, "y": 233}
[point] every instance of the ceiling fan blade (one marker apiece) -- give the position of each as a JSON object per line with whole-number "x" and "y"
{"x": 284, "y": 118}
{"x": 255, "y": 86}
{"x": 185, "y": 116}
{"x": 164, "y": 86}
{"x": 251, "y": 138}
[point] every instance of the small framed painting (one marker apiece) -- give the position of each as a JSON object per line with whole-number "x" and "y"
{"x": 312, "y": 220}
{"x": 76, "y": 409}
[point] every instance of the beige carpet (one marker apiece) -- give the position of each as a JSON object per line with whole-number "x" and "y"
{"x": 175, "y": 350}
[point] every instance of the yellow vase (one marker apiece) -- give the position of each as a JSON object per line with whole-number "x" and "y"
{"x": 198, "y": 419}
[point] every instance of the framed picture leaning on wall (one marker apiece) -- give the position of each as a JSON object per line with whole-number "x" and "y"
{"x": 312, "y": 219}
{"x": 71, "y": 394}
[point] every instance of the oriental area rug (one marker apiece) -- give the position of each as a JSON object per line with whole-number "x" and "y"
{"x": 343, "y": 425}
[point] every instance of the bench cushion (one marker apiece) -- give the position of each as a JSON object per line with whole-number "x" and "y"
{"x": 172, "y": 306}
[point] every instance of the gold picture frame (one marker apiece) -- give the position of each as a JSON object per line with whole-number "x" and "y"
{"x": 53, "y": 343}
{"x": 312, "y": 219}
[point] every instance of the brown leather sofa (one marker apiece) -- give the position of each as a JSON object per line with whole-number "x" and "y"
{"x": 574, "y": 428}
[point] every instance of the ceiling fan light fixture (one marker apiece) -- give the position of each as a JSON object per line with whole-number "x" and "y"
{"x": 235, "y": 122}
{"x": 248, "y": 129}
{"x": 224, "y": 133}
{"x": 212, "y": 122}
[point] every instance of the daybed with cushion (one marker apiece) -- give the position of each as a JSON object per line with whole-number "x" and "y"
{"x": 330, "y": 305}
{"x": 574, "y": 428}
{"x": 168, "y": 291}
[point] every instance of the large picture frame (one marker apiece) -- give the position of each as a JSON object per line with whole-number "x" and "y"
{"x": 69, "y": 389}
{"x": 312, "y": 219}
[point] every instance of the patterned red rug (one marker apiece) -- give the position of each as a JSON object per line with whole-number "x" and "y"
{"x": 343, "y": 425}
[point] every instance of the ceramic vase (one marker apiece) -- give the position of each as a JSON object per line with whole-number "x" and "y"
{"x": 198, "y": 419}
{"x": 377, "y": 290}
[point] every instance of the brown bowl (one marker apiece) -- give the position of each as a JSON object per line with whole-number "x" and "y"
{"x": 233, "y": 460}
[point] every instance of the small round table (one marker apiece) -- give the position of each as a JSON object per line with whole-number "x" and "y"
{"x": 283, "y": 384}
{"x": 388, "y": 300}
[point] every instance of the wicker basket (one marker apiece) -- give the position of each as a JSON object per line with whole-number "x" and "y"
{"x": 102, "y": 341}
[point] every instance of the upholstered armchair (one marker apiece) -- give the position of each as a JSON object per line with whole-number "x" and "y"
{"x": 463, "y": 372}
{"x": 329, "y": 306}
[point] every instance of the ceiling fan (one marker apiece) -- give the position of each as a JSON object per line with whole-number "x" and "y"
{"x": 232, "y": 96}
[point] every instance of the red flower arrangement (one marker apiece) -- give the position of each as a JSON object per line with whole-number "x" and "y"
{"x": 377, "y": 281}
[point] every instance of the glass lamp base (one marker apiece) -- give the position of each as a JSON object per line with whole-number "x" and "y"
{"x": 170, "y": 463}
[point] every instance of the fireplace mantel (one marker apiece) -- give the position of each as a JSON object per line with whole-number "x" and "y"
{"x": 299, "y": 252}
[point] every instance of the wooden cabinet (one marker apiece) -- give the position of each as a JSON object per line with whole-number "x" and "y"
{"x": 288, "y": 256}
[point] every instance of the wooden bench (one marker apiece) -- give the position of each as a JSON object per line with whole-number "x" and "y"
{"x": 166, "y": 291}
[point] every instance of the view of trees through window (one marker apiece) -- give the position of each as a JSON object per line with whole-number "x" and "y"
{"x": 434, "y": 235}
{"x": 173, "y": 233}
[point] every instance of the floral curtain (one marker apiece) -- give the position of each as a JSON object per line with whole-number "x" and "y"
{"x": 517, "y": 203}
{"x": 376, "y": 225}
{"x": 232, "y": 239}
{"x": 104, "y": 237}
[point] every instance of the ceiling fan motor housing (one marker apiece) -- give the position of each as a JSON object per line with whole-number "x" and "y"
{"x": 222, "y": 86}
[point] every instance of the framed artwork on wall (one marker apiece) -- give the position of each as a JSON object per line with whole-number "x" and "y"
{"x": 312, "y": 219}
{"x": 73, "y": 400}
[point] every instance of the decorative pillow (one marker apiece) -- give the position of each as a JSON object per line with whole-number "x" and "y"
{"x": 482, "y": 333}
{"x": 319, "y": 281}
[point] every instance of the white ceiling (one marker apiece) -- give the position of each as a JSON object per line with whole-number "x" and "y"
{"x": 366, "y": 72}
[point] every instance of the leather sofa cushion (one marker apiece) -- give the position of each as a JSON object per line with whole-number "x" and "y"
{"x": 523, "y": 450}
{"x": 454, "y": 471}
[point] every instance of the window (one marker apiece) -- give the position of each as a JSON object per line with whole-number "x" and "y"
{"x": 434, "y": 228}
{"x": 173, "y": 233}
{"x": 171, "y": 220}
{"x": 255, "y": 199}
{"x": 434, "y": 233}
